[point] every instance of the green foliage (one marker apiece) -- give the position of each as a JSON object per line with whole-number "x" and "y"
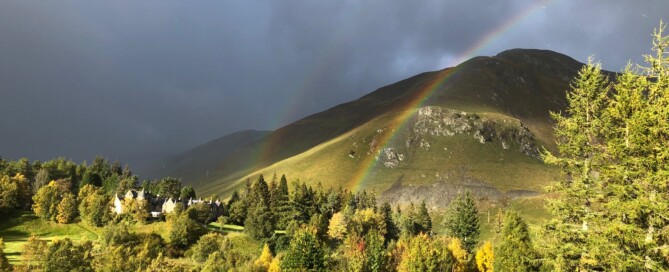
{"x": 200, "y": 212}
{"x": 169, "y": 187}
{"x": 187, "y": 192}
{"x": 64, "y": 255}
{"x": 306, "y": 251}
{"x": 514, "y": 250}
{"x": 46, "y": 201}
{"x": 4, "y": 263}
{"x": 392, "y": 231}
{"x": 207, "y": 245}
{"x": 185, "y": 231}
{"x": 462, "y": 220}
{"x": 125, "y": 251}
{"x": 613, "y": 212}
{"x": 94, "y": 208}
{"x": 260, "y": 222}
{"x": 14, "y": 192}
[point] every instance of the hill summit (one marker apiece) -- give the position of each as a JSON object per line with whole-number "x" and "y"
{"x": 477, "y": 126}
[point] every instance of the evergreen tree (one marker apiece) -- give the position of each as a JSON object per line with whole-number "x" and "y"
{"x": 515, "y": 252}
{"x": 613, "y": 209}
{"x": 259, "y": 223}
{"x": 306, "y": 251}
{"x": 423, "y": 218}
{"x": 392, "y": 231}
{"x": 280, "y": 203}
{"x": 462, "y": 220}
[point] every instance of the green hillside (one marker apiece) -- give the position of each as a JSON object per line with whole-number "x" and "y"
{"x": 480, "y": 127}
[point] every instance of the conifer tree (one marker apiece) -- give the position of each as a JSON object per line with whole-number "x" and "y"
{"x": 392, "y": 231}
{"x": 515, "y": 251}
{"x": 462, "y": 220}
{"x": 613, "y": 208}
{"x": 423, "y": 218}
{"x": 306, "y": 251}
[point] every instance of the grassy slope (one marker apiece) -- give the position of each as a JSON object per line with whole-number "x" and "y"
{"x": 329, "y": 163}
{"x": 16, "y": 227}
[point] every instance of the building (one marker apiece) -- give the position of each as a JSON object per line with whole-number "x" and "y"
{"x": 160, "y": 205}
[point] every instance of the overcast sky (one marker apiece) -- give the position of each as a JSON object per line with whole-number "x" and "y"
{"x": 135, "y": 79}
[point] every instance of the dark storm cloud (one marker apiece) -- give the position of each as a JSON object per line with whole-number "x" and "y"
{"x": 134, "y": 80}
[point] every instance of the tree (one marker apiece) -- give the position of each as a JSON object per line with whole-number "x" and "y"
{"x": 265, "y": 258}
{"x": 259, "y": 222}
{"x": 423, "y": 218}
{"x": 64, "y": 255}
{"x": 94, "y": 207}
{"x": 169, "y": 187}
{"x": 207, "y": 245}
{"x": 46, "y": 201}
{"x": 14, "y": 192}
{"x": 41, "y": 179}
{"x": 280, "y": 203}
{"x": 67, "y": 209}
{"x": 185, "y": 231}
{"x": 485, "y": 257}
{"x": 393, "y": 231}
{"x": 9, "y": 198}
{"x": 4, "y": 263}
{"x": 187, "y": 192}
{"x": 306, "y": 251}
{"x": 514, "y": 250}
{"x": 613, "y": 211}
{"x": 337, "y": 226}
{"x": 32, "y": 252}
{"x": 462, "y": 220}
{"x": 421, "y": 253}
{"x": 200, "y": 212}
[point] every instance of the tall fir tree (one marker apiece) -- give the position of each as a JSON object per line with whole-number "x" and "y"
{"x": 462, "y": 220}
{"x": 613, "y": 210}
{"x": 514, "y": 251}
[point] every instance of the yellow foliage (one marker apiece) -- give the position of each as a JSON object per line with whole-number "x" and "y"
{"x": 265, "y": 258}
{"x": 337, "y": 226}
{"x": 459, "y": 253}
{"x": 275, "y": 265}
{"x": 485, "y": 257}
{"x": 53, "y": 183}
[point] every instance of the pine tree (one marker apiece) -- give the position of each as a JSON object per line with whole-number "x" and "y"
{"x": 423, "y": 218}
{"x": 392, "y": 231}
{"x": 259, "y": 223}
{"x": 306, "y": 251}
{"x": 613, "y": 210}
{"x": 462, "y": 220}
{"x": 515, "y": 252}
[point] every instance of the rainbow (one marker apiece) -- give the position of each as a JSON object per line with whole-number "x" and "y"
{"x": 399, "y": 123}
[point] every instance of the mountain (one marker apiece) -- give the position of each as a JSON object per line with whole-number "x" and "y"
{"x": 477, "y": 126}
{"x": 196, "y": 163}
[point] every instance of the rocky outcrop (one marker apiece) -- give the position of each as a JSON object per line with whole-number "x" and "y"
{"x": 437, "y": 121}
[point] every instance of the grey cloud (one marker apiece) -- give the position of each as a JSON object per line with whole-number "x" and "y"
{"x": 137, "y": 80}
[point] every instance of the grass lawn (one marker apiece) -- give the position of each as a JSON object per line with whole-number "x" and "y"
{"x": 17, "y": 226}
